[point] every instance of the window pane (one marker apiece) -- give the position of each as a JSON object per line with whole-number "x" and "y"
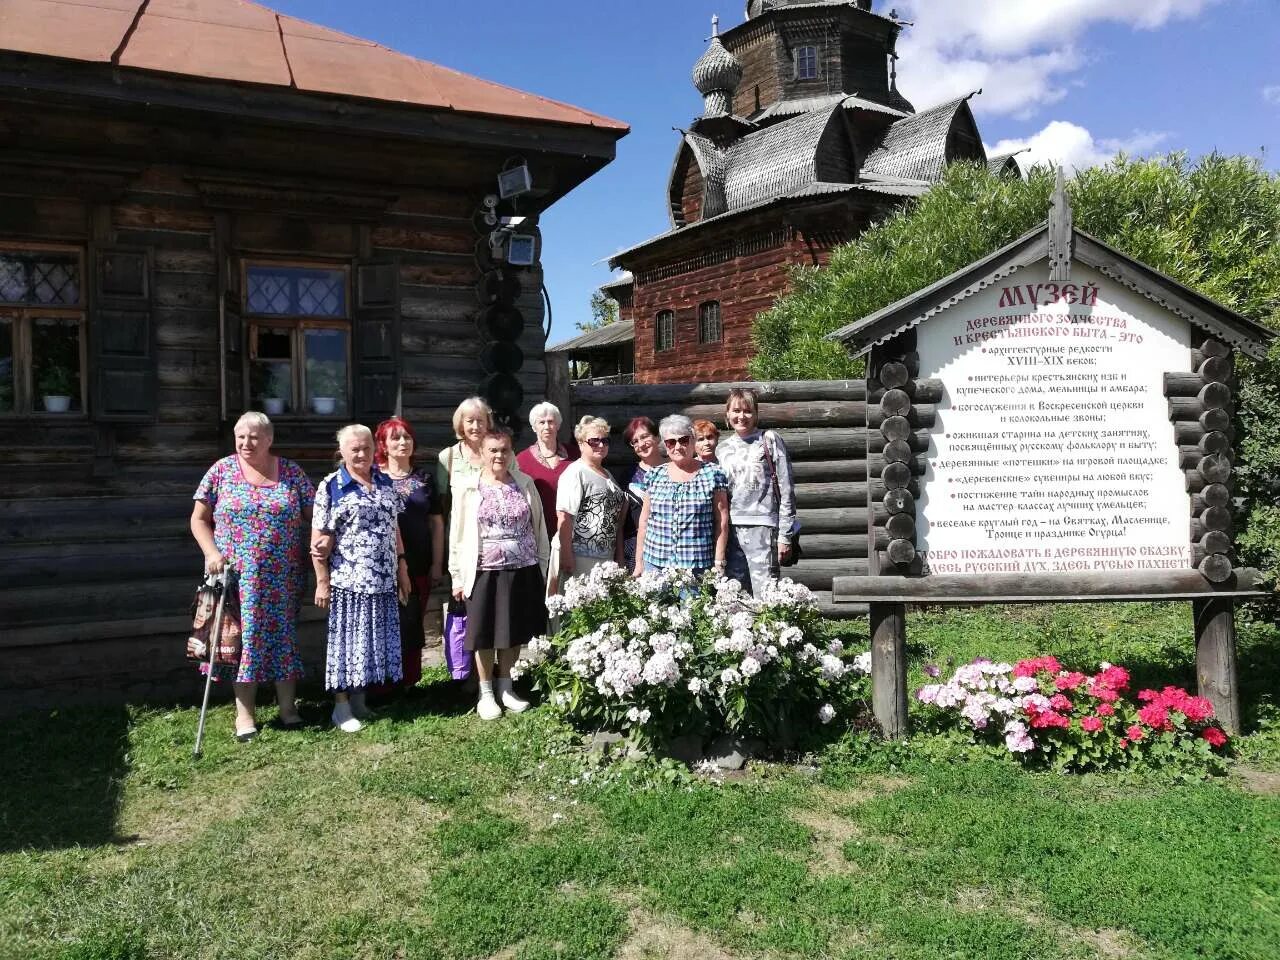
{"x": 6, "y": 366}
{"x": 45, "y": 277}
{"x": 296, "y": 291}
{"x": 271, "y": 370}
{"x": 55, "y": 354}
{"x": 326, "y": 371}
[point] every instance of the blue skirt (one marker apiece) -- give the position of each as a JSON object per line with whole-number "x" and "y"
{"x": 364, "y": 640}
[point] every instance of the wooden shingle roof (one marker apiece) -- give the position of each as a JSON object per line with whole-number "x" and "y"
{"x": 620, "y": 331}
{"x": 916, "y": 147}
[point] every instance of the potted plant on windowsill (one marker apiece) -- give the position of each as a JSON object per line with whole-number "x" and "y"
{"x": 57, "y": 387}
{"x": 326, "y": 383}
{"x": 273, "y": 394}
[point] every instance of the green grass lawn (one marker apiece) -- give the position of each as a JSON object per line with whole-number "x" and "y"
{"x": 434, "y": 835}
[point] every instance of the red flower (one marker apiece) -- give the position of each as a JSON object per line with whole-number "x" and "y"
{"x": 1124, "y": 743}
{"x": 1049, "y": 719}
{"x": 1116, "y": 678}
{"x": 1060, "y": 702}
{"x": 1135, "y": 732}
{"x": 1106, "y": 710}
{"x": 1197, "y": 709}
{"x": 1068, "y": 681}
{"x": 1091, "y": 724}
{"x": 1148, "y": 696}
{"x": 1155, "y": 716}
{"x": 1029, "y": 668}
{"x": 1215, "y": 736}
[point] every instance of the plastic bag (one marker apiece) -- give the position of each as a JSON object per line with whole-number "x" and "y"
{"x": 203, "y": 614}
{"x": 456, "y": 657}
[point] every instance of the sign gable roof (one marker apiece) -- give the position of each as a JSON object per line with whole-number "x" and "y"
{"x": 1249, "y": 337}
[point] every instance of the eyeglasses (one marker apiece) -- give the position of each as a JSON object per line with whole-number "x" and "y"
{"x": 597, "y": 442}
{"x": 640, "y": 438}
{"x": 672, "y": 442}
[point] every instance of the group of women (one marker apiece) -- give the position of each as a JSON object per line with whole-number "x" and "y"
{"x": 518, "y": 528}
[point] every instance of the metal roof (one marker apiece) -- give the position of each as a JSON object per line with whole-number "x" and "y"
{"x": 915, "y": 147}
{"x": 242, "y": 42}
{"x": 620, "y": 331}
{"x": 625, "y": 279}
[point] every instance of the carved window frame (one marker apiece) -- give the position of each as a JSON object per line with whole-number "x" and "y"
{"x": 664, "y": 331}
{"x": 710, "y": 325}
{"x": 21, "y": 317}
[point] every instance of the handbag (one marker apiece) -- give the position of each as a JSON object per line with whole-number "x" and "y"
{"x": 203, "y": 614}
{"x": 794, "y": 556}
{"x": 456, "y": 657}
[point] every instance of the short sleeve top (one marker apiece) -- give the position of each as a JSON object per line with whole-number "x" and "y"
{"x": 594, "y": 501}
{"x": 364, "y": 524}
{"x": 681, "y": 528}
{"x": 505, "y": 522}
{"x": 418, "y": 503}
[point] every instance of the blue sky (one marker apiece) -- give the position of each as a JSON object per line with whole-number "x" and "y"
{"x": 1074, "y": 79}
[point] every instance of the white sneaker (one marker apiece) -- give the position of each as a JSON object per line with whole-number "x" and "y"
{"x": 507, "y": 697}
{"x": 488, "y": 709}
{"x": 344, "y": 719}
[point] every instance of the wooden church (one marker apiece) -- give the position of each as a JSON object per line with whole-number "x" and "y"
{"x": 804, "y": 141}
{"x": 208, "y": 207}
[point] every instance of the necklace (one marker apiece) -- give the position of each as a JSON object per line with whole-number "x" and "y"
{"x": 545, "y": 460}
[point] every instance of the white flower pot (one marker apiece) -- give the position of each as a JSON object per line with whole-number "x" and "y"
{"x": 55, "y": 403}
{"x": 324, "y": 405}
{"x": 273, "y": 406}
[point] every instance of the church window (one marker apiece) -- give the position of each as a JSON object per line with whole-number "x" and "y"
{"x": 709, "y": 329}
{"x": 806, "y": 63}
{"x": 664, "y": 331}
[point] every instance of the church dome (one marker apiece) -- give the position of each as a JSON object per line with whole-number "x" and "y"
{"x": 754, "y": 8}
{"x": 717, "y": 70}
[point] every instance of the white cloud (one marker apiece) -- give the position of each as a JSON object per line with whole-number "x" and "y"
{"x": 1073, "y": 147}
{"x": 1272, "y": 94}
{"x": 1023, "y": 53}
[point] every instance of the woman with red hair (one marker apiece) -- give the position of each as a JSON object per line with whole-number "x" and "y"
{"x": 421, "y": 528}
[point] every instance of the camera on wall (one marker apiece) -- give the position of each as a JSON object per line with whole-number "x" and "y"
{"x": 508, "y": 243}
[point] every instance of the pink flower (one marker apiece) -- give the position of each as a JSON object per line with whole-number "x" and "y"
{"x": 1197, "y": 709}
{"x": 1124, "y": 743}
{"x": 1215, "y": 736}
{"x": 1049, "y": 719}
{"x": 1135, "y": 732}
{"x": 1068, "y": 681}
{"x": 1029, "y": 668}
{"x": 1060, "y": 702}
{"x": 1106, "y": 710}
{"x": 1148, "y": 696}
{"x": 1091, "y": 724}
{"x": 1155, "y": 716}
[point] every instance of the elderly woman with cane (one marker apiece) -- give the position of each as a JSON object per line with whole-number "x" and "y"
{"x": 363, "y": 578}
{"x": 498, "y": 552}
{"x": 684, "y": 521}
{"x": 252, "y": 510}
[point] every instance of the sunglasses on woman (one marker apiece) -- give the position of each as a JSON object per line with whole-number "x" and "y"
{"x": 673, "y": 442}
{"x": 597, "y": 442}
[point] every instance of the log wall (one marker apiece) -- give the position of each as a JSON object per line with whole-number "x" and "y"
{"x": 100, "y": 564}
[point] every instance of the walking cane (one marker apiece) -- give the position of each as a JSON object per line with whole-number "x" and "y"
{"x": 220, "y": 582}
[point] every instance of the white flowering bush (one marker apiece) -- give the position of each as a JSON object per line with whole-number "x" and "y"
{"x": 666, "y": 655}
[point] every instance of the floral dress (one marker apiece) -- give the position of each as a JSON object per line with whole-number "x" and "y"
{"x": 364, "y": 611}
{"x": 259, "y": 530}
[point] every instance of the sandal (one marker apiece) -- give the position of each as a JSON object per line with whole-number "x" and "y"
{"x": 244, "y": 736}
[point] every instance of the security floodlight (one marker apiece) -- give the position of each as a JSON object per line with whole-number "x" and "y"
{"x": 514, "y": 182}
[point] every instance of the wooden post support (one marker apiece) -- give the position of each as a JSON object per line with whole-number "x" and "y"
{"x": 889, "y": 667}
{"x": 1215, "y": 624}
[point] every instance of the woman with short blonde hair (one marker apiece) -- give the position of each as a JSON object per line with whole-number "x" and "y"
{"x": 252, "y": 510}
{"x": 591, "y": 508}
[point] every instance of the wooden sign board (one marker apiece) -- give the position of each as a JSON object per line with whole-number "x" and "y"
{"x": 1052, "y": 423}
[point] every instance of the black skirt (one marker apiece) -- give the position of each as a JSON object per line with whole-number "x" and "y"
{"x": 506, "y": 609}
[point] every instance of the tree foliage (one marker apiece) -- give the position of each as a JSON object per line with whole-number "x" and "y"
{"x": 1213, "y": 225}
{"x": 604, "y": 311}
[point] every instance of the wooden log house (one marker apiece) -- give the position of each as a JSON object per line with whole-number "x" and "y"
{"x": 208, "y": 207}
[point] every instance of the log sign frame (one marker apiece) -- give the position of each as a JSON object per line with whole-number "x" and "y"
{"x": 1055, "y": 424}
